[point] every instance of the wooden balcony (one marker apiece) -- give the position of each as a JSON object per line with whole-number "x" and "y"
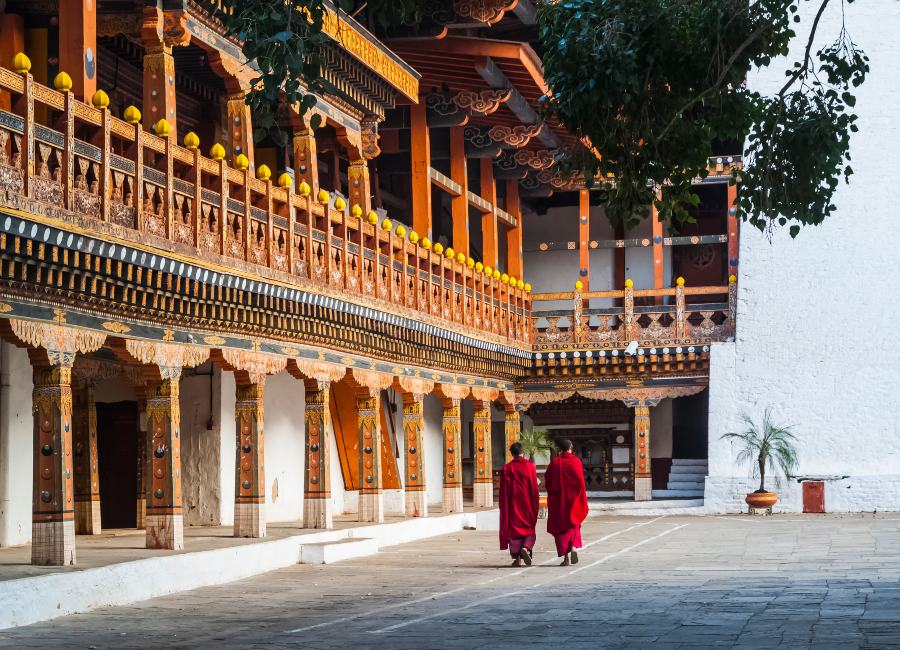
{"x": 676, "y": 317}
{"x": 109, "y": 176}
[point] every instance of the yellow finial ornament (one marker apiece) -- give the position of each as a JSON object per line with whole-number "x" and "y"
{"x": 527, "y": 288}
{"x": 400, "y": 230}
{"x": 356, "y": 211}
{"x": 679, "y": 281}
{"x": 470, "y": 263}
{"x": 100, "y": 99}
{"x": 62, "y": 82}
{"x": 241, "y": 162}
{"x": 285, "y": 180}
{"x": 579, "y": 285}
{"x": 449, "y": 253}
{"x": 413, "y": 236}
{"x": 132, "y": 115}
{"x": 372, "y": 217}
{"x": 217, "y": 152}
{"x": 732, "y": 279}
{"x": 21, "y": 63}
{"x": 323, "y": 197}
{"x": 461, "y": 258}
{"x": 263, "y": 172}
{"x": 340, "y": 203}
{"x": 488, "y": 270}
{"x": 629, "y": 283}
{"x": 386, "y": 224}
{"x": 504, "y": 278}
{"x": 163, "y": 128}
{"x": 191, "y": 140}
{"x": 496, "y": 274}
{"x": 479, "y": 267}
{"x": 438, "y": 248}
{"x": 304, "y": 188}
{"x": 426, "y": 243}
{"x": 520, "y": 284}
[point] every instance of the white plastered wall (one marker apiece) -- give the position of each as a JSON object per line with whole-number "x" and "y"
{"x": 284, "y": 447}
{"x": 201, "y": 443}
{"x": 434, "y": 450}
{"x": 817, "y": 339}
{"x": 16, "y": 435}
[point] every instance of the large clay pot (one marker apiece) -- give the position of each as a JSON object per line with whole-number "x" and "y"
{"x": 761, "y": 499}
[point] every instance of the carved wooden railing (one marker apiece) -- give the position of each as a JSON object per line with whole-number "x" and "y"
{"x": 92, "y": 164}
{"x": 673, "y": 317}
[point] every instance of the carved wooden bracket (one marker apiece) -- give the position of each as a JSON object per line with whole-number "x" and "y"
{"x": 454, "y": 391}
{"x": 543, "y": 159}
{"x": 483, "y": 11}
{"x": 482, "y": 102}
{"x": 416, "y": 385}
{"x": 61, "y": 343}
{"x": 169, "y": 357}
{"x": 372, "y": 378}
{"x": 256, "y": 364}
{"x": 515, "y": 137}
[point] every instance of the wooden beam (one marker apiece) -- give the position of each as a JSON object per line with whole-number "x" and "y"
{"x": 489, "y": 234}
{"x": 445, "y": 183}
{"x": 459, "y": 205}
{"x": 78, "y": 45}
{"x": 514, "y": 235}
{"x": 584, "y": 236}
{"x": 420, "y": 158}
{"x": 525, "y": 11}
{"x": 496, "y": 78}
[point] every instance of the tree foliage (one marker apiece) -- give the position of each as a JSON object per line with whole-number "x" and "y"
{"x": 657, "y": 84}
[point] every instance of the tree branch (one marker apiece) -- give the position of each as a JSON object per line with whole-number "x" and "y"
{"x": 809, "y": 43}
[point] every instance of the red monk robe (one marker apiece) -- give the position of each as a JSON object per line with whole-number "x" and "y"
{"x": 566, "y": 501}
{"x": 518, "y": 507}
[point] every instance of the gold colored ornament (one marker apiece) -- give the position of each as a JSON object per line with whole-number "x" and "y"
{"x": 386, "y": 224}
{"x": 304, "y": 188}
{"x": 132, "y": 115}
{"x": 100, "y": 99}
{"x": 163, "y": 128}
{"x": 191, "y": 140}
{"x": 340, "y": 203}
{"x": 285, "y": 180}
{"x": 629, "y": 283}
{"x": 356, "y": 211}
{"x": 323, "y": 197}
{"x": 241, "y": 162}
{"x": 263, "y": 172}
{"x": 21, "y": 63}
{"x": 217, "y": 152}
{"x": 62, "y": 82}
{"x": 372, "y": 217}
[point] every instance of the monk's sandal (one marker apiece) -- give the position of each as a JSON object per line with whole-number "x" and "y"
{"x": 525, "y": 554}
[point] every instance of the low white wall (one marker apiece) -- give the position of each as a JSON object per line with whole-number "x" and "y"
{"x": 16, "y": 440}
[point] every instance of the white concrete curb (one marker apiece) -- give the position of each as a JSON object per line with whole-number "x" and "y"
{"x": 30, "y": 600}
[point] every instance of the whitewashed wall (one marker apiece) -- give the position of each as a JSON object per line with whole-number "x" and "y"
{"x": 434, "y": 450}
{"x": 201, "y": 447}
{"x": 16, "y": 435}
{"x": 817, "y": 336}
{"x": 284, "y": 447}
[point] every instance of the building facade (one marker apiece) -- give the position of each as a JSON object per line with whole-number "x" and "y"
{"x": 200, "y": 329}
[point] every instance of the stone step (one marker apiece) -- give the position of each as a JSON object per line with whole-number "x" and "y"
{"x": 686, "y": 485}
{"x": 689, "y": 461}
{"x": 670, "y": 494}
{"x": 341, "y": 549}
{"x": 687, "y": 476}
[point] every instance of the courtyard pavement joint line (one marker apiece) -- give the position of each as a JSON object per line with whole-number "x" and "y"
{"x": 450, "y": 592}
{"x": 477, "y": 603}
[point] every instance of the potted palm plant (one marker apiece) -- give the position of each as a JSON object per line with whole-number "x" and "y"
{"x": 768, "y": 447}
{"x": 535, "y": 441}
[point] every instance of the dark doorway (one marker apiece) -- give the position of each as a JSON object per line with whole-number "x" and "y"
{"x": 117, "y": 426}
{"x": 690, "y": 419}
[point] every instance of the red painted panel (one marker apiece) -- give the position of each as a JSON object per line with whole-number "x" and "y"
{"x": 813, "y": 496}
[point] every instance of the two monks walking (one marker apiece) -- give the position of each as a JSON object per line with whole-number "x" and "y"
{"x": 566, "y": 503}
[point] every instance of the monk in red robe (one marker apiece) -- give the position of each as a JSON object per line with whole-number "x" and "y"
{"x": 566, "y": 502}
{"x": 518, "y": 506}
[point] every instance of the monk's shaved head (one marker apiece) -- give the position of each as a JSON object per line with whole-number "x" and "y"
{"x": 564, "y": 444}
{"x": 516, "y": 449}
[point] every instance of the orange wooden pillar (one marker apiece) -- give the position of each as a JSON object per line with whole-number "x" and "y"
{"x": 489, "y": 232}
{"x": 733, "y": 231}
{"x": 584, "y": 237}
{"x": 12, "y": 41}
{"x": 78, "y": 45}
{"x": 514, "y": 235}
{"x": 459, "y": 205}
{"x": 240, "y": 128}
{"x": 306, "y": 162}
{"x": 420, "y": 154}
{"x": 159, "y": 72}
{"x": 659, "y": 280}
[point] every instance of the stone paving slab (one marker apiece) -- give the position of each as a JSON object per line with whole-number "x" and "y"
{"x": 798, "y": 582}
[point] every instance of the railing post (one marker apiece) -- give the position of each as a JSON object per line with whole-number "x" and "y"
{"x": 679, "y": 310}
{"x": 223, "y": 204}
{"x": 105, "y": 189}
{"x": 68, "y": 152}
{"x": 577, "y": 324}
{"x": 168, "y": 206}
{"x": 246, "y": 220}
{"x": 309, "y": 235}
{"x": 732, "y": 304}
{"x": 289, "y": 193}
{"x": 196, "y": 200}
{"x": 137, "y": 190}
{"x": 629, "y": 327}
{"x": 26, "y": 109}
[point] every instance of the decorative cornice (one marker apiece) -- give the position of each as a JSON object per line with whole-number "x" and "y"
{"x": 484, "y": 394}
{"x": 416, "y": 385}
{"x": 61, "y": 343}
{"x": 169, "y": 357}
{"x": 256, "y": 364}
{"x": 372, "y": 378}
{"x": 454, "y": 391}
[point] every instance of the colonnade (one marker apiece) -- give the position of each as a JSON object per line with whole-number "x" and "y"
{"x": 66, "y": 498}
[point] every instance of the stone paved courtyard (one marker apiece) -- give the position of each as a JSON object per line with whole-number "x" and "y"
{"x": 688, "y": 582}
